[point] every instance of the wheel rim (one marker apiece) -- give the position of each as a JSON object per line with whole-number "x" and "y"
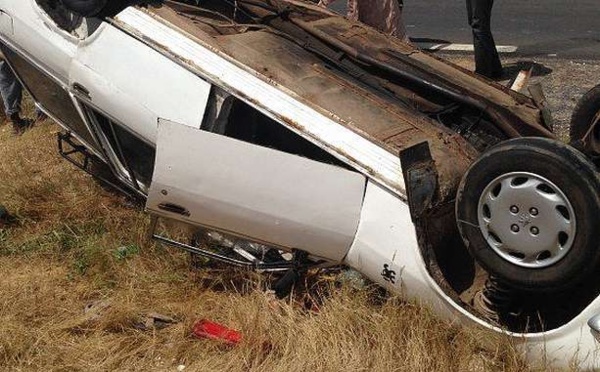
{"x": 527, "y": 220}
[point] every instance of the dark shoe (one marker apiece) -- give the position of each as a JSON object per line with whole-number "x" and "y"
{"x": 19, "y": 124}
{"x": 5, "y": 217}
{"x": 498, "y": 75}
{"x": 493, "y": 75}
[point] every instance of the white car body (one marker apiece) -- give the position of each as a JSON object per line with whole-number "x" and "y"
{"x": 363, "y": 218}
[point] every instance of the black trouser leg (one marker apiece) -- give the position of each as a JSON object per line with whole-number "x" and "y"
{"x": 487, "y": 61}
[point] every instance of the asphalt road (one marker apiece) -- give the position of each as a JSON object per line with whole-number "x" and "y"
{"x": 561, "y": 28}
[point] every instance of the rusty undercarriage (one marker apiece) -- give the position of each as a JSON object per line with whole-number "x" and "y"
{"x": 382, "y": 88}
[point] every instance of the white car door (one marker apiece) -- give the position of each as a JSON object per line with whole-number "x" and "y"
{"x": 246, "y": 174}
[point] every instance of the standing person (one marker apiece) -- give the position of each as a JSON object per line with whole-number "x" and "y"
{"x": 12, "y": 93}
{"x": 487, "y": 61}
{"x": 384, "y": 15}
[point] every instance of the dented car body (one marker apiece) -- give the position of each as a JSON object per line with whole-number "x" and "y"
{"x": 282, "y": 123}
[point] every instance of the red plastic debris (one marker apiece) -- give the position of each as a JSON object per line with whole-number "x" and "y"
{"x": 215, "y": 331}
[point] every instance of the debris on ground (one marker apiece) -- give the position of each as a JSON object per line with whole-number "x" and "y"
{"x": 353, "y": 278}
{"x": 154, "y": 321}
{"x": 93, "y": 311}
{"x": 215, "y": 331}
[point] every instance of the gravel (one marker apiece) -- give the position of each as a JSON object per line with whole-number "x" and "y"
{"x": 563, "y": 81}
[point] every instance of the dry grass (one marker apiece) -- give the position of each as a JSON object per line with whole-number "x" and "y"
{"x": 62, "y": 256}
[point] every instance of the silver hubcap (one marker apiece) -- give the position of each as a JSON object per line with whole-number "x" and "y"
{"x": 526, "y": 219}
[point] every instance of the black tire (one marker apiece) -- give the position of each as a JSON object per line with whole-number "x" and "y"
{"x": 572, "y": 173}
{"x": 586, "y": 114}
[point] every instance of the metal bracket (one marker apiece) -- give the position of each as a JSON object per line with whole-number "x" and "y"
{"x": 539, "y": 98}
{"x": 68, "y": 149}
{"x": 255, "y": 265}
{"x": 420, "y": 177}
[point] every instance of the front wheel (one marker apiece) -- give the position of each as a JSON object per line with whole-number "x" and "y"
{"x": 528, "y": 211}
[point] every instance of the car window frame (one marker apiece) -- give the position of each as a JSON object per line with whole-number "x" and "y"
{"x": 113, "y": 155}
{"x": 53, "y": 26}
{"x": 231, "y": 102}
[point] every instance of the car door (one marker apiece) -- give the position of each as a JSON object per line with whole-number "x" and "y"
{"x": 244, "y": 173}
{"x": 40, "y": 51}
{"x": 123, "y": 87}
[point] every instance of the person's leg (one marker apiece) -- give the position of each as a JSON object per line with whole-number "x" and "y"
{"x": 353, "y": 12}
{"x": 487, "y": 61}
{"x": 384, "y": 15}
{"x": 10, "y": 89}
{"x": 470, "y": 11}
{"x": 394, "y": 21}
{"x": 12, "y": 94}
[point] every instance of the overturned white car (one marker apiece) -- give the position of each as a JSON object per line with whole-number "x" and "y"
{"x": 284, "y": 124}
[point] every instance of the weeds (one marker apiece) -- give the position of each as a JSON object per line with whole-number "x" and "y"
{"x": 126, "y": 251}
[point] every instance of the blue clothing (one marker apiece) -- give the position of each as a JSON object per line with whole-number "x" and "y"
{"x": 10, "y": 89}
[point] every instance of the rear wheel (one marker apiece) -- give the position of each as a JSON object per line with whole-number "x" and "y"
{"x": 528, "y": 211}
{"x": 585, "y": 124}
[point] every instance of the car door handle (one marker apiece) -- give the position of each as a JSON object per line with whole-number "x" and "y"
{"x": 174, "y": 208}
{"x": 80, "y": 89}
